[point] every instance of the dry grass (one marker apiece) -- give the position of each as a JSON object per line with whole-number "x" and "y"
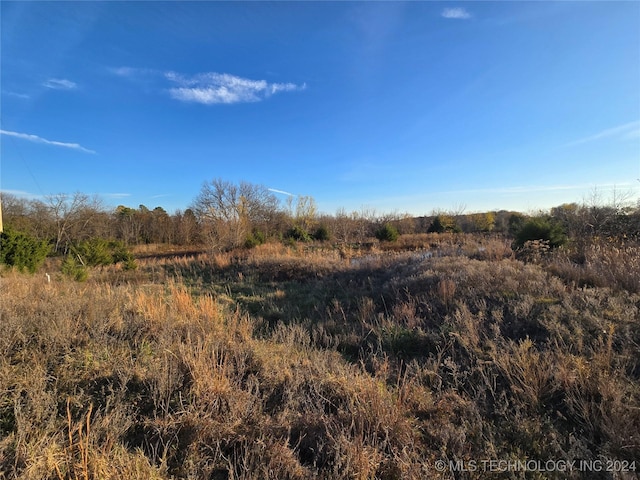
{"x": 601, "y": 265}
{"x": 312, "y": 362}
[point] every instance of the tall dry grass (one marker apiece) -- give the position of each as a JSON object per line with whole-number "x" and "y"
{"x": 600, "y": 264}
{"x": 305, "y": 362}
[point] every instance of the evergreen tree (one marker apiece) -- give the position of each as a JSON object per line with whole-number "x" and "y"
{"x": 20, "y": 250}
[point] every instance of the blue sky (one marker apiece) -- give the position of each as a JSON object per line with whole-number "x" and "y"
{"x": 391, "y": 106}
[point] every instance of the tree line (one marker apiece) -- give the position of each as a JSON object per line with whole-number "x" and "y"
{"x": 226, "y": 215}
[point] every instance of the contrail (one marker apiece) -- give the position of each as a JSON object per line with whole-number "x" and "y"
{"x": 274, "y": 190}
{"x": 37, "y": 139}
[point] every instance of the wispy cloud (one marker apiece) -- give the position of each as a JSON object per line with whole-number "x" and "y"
{"x": 60, "y": 84}
{"x": 16, "y": 94}
{"x": 209, "y": 88}
{"x": 124, "y": 71}
{"x": 134, "y": 73}
{"x": 115, "y": 195}
{"x": 627, "y": 131}
{"x": 37, "y": 139}
{"x": 275, "y": 190}
{"x": 456, "y": 13}
{"x": 216, "y": 88}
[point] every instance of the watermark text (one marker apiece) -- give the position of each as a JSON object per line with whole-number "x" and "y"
{"x": 511, "y": 465}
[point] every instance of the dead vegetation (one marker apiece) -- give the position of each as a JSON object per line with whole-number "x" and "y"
{"x": 307, "y": 361}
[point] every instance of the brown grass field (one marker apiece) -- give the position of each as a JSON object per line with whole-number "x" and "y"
{"x": 311, "y": 361}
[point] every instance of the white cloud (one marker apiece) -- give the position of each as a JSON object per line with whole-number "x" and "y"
{"x": 16, "y": 95}
{"x": 215, "y": 88}
{"x": 275, "y": 190}
{"x": 628, "y": 131}
{"x": 210, "y": 88}
{"x": 286, "y": 87}
{"x": 456, "y": 13}
{"x": 37, "y": 139}
{"x": 60, "y": 84}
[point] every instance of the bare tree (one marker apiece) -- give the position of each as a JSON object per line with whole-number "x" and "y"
{"x": 186, "y": 227}
{"x": 342, "y": 226}
{"x": 128, "y": 227}
{"x": 228, "y": 211}
{"x": 16, "y": 213}
{"x": 76, "y": 217}
{"x": 306, "y": 212}
{"x": 597, "y": 211}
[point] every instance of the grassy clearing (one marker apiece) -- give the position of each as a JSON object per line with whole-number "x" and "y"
{"x": 315, "y": 362}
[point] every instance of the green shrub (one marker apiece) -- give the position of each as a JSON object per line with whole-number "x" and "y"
{"x": 120, "y": 252}
{"x": 122, "y": 255}
{"x": 17, "y": 249}
{"x": 516, "y": 221}
{"x": 444, "y": 223}
{"x": 298, "y": 234}
{"x": 387, "y": 233}
{"x": 254, "y": 239}
{"x": 540, "y": 228}
{"x": 95, "y": 252}
{"x": 322, "y": 233}
{"x": 130, "y": 264}
{"x": 100, "y": 252}
{"x": 72, "y": 267}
